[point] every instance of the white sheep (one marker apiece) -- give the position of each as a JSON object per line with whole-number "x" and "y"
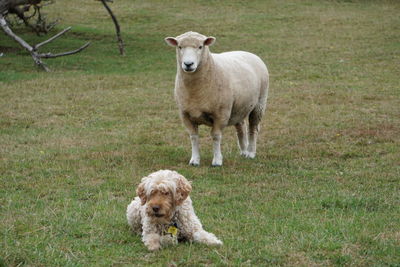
{"x": 219, "y": 90}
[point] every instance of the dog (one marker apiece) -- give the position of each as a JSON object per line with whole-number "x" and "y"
{"x": 163, "y": 213}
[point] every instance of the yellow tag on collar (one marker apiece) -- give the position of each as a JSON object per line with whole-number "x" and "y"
{"x": 172, "y": 230}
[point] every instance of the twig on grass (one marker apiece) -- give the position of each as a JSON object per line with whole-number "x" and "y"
{"x": 36, "y": 230}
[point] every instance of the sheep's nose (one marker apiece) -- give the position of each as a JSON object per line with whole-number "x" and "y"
{"x": 156, "y": 208}
{"x": 188, "y": 64}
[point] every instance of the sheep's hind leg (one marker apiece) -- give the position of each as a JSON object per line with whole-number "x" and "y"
{"x": 241, "y": 133}
{"x": 254, "y": 121}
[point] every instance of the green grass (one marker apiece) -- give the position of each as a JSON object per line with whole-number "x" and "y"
{"x": 323, "y": 190}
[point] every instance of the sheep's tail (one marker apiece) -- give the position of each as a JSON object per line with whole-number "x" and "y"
{"x": 262, "y": 101}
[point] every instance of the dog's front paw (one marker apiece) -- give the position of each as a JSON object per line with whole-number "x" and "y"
{"x": 154, "y": 246}
{"x": 152, "y": 242}
{"x": 168, "y": 240}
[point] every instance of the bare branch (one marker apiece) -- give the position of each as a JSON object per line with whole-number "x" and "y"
{"x": 117, "y": 28}
{"x": 52, "y": 38}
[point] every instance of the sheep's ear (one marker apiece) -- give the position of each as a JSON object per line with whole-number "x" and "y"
{"x": 183, "y": 190}
{"x": 209, "y": 41}
{"x": 140, "y": 191}
{"x": 171, "y": 41}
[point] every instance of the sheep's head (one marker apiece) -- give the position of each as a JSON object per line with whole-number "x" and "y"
{"x": 191, "y": 49}
{"x": 162, "y": 192}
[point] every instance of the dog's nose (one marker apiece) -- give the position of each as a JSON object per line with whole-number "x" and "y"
{"x": 156, "y": 208}
{"x": 188, "y": 64}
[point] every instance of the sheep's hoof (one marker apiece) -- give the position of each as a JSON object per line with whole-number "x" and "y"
{"x": 216, "y": 163}
{"x": 194, "y": 163}
{"x": 243, "y": 153}
{"x": 247, "y": 154}
{"x": 251, "y": 155}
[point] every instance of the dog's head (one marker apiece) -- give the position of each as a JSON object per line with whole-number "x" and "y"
{"x": 162, "y": 191}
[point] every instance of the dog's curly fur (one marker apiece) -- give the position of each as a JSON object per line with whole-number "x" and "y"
{"x": 163, "y": 198}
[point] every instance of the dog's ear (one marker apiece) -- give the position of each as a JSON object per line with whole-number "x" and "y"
{"x": 140, "y": 191}
{"x": 183, "y": 190}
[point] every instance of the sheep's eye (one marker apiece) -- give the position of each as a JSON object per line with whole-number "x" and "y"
{"x": 200, "y": 47}
{"x": 180, "y": 47}
{"x": 166, "y": 193}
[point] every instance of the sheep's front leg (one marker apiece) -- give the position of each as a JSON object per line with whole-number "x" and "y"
{"x": 194, "y": 139}
{"x": 195, "y": 159}
{"x": 216, "y": 134}
{"x": 217, "y": 160}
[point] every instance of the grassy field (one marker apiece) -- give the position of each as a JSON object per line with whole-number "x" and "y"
{"x": 324, "y": 189}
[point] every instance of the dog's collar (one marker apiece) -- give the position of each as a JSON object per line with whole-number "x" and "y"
{"x": 172, "y": 228}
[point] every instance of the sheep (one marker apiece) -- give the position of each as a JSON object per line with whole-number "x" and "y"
{"x": 219, "y": 90}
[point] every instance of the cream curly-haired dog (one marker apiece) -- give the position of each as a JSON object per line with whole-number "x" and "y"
{"x": 163, "y": 212}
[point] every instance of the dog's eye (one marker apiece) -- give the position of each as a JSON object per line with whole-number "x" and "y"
{"x": 166, "y": 193}
{"x": 180, "y": 47}
{"x": 200, "y": 47}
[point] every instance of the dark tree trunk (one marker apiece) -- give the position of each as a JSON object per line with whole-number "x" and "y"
{"x": 117, "y": 28}
{"x": 7, "y": 5}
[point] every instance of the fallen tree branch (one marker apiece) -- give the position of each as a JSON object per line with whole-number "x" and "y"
{"x": 50, "y": 55}
{"x": 117, "y": 28}
{"x": 33, "y": 50}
